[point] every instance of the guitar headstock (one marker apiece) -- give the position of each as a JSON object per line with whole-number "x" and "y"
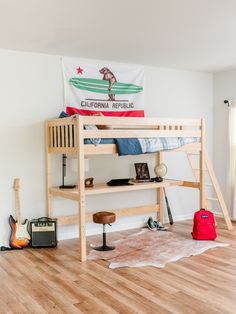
{"x": 16, "y": 185}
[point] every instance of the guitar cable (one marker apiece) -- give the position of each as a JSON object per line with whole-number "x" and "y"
{"x": 8, "y": 248}
{"x": 5, "y": 248}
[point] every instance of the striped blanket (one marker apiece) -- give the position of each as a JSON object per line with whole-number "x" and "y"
{"x": 136, "y": 146}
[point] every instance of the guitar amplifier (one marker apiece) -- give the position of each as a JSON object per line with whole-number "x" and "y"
{"x": 43, "y": 232}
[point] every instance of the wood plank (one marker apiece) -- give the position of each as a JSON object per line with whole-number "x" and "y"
{"x": 139, "y": 133}
{"x": 160, "y": 196}
{"x": 102, "y": 188}
{"x": 71, "y": 194}
{"x": 66, "y": 136}
{"x": 64, "y": 121}
{"x": 71, "y": 136}
{"x": 121, "y": 212}
{"x": 54, "y": 281}
{"x": 58, "y": 135}
{"x": 63, "y": 136}
{"x": 62, "y": 150}
{"x": 50, "y": 130}
{"x": 55, "y": 143}
{"x": 81, "y": 188}
{"x": 48, "y": 138}
{"x": 101, "y": 149}
{"x": 189, "y": 184}
{"x": 113, "y": 121}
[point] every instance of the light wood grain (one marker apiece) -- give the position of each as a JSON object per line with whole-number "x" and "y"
{"x": 102, "y": 188}
{"x": 160, "y": 196}
{"x": 114, "y": 121}
{"x": 121, "y": 212}
{"x": 48, "y": 139}
{"x": 121, "y": 128}
{"x": 81, "y": 189}
{"x": 103, "y": 149}
{"x": 55, "y": 281}
{"x": 139, "y": 133}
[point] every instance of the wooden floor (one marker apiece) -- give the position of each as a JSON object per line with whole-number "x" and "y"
{"x": 54, "y": 281}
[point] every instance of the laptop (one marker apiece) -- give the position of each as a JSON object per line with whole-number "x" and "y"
{"x": 117, "y": 182}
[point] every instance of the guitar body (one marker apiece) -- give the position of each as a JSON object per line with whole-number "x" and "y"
{"x": 20, "y": 237}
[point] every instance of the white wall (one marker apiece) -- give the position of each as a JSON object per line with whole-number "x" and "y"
{"x": 224, "y": 88}
{"x": 31, "y": 92}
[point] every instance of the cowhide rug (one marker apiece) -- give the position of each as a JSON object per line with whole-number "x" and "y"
{"x": 152, "y": 248}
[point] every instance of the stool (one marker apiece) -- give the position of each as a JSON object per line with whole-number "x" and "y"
{"x": 104, "y": 218}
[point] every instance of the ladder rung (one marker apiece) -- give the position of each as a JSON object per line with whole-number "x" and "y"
{"x": 212, "y": 199}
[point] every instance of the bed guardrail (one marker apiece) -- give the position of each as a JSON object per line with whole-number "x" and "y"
{"x": 61, "y": 134}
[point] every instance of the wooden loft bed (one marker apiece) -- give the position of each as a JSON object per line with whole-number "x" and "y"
{"x": 67, "y": 135}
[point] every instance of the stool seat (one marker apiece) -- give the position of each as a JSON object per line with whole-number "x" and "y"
{"x": 104, "y": 217}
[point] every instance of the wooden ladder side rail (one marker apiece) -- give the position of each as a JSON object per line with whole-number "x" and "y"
{"x": 218, "y": 192}
{"x": 215, "y": 185}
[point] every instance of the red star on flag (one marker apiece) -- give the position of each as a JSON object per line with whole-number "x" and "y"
{"x": 79, "y": 70}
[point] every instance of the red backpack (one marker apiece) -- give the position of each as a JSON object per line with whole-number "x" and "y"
{"x": 204, "y": 225}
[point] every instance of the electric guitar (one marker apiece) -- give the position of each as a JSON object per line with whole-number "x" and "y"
{"x": 19, "y": 232}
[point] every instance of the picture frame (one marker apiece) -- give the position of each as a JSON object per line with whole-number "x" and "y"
{"x": 142, "y": 172}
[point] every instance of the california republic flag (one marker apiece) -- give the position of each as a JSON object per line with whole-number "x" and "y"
{"x": 109, "y": 88}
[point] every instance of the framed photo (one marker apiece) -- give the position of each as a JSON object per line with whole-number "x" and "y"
{"x": 142, "y": 172}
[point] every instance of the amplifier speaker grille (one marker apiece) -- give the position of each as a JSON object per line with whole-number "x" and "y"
{"x": 43, "y": 232}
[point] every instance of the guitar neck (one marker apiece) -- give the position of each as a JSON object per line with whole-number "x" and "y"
{"x": 18, "y": 209}
{"x": 17, "y": 199}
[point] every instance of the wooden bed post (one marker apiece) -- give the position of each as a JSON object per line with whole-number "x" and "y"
{"x": 81, "y": 187}
{"x": 160, "y": 193}
{"x": 201, "y": 166}
{"x": 48, "y": 174}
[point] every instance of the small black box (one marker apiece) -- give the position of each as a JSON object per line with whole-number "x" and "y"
{"x": 43, "y": 232}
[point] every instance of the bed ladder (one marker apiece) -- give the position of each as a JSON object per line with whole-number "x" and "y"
{"x": 208, "y": 170}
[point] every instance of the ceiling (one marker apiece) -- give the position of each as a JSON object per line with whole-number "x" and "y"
{"x": 186, "y": 34}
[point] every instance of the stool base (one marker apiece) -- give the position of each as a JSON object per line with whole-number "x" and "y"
{"x": 104, "y": 248}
